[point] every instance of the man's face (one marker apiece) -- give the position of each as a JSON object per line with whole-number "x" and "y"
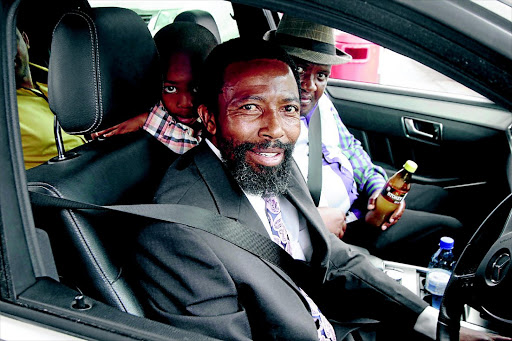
{"x": 21, "y": 61}
{"x": 258, "y": 123}
{"x": 179, "y": 91}
{"x": 313, "y": 80}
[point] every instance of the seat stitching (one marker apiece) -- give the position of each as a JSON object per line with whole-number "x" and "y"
{"x": 79, "y": 229}
{"x": 98, "y": 104}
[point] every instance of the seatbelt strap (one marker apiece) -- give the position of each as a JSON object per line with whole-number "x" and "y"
{"x": 195, "y": 217}
{"x": 315, "y": 156}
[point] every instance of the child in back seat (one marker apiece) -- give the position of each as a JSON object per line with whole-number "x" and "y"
{"x": 182, "y": 47}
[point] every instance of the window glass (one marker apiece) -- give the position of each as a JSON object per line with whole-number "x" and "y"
{"x": 159, "y": 13}
{"x": 372, "y": 63}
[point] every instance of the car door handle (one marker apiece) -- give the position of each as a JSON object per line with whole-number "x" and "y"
{"x": 423, "y": 130}
{"x": 413, "y": 131}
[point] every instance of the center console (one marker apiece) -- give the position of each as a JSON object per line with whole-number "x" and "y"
{"x": 413, "y": 278}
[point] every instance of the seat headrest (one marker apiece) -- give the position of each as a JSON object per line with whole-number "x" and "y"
{"x": 104, "y": 69}
{"x": 202, "y": 18}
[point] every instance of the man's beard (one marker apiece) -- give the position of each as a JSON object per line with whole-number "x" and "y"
{"x": 265, "y": 181}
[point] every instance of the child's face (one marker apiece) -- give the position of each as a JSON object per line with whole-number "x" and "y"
{"x": 179, "y": 91}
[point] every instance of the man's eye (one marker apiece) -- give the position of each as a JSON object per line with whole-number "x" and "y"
{"x": 169, "y": 89}
{"x": 291, "y": 109}
{"x": 300, "y": 70}
{"x": 322, "y": 76}
{"x": 249, "y": 107}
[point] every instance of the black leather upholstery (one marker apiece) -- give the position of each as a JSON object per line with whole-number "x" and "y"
{"x": 92, "y": 249}
{"x": 116, "y": 71}
{"x": 202, "y": 18}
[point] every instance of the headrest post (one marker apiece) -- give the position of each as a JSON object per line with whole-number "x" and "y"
{"x": 58, "y": 139}
{"x": 61, "y": 150}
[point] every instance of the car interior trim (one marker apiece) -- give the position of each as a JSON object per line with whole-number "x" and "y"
{"x": 480, "y": 183}
{"x": 389, "y": 89}
{"x": 474, "y": 26}
{"x": 509, "y": 136}
{"x": 494, "y": 118}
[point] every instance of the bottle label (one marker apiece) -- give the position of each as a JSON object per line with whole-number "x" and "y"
{"x": 393, "y": 195}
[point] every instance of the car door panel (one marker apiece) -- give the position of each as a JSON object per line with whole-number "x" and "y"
{"x": 382, "y": 122}
{"x": 472, "y": 142}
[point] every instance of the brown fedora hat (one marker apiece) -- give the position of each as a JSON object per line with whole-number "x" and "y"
{"x": 308, "y": 41}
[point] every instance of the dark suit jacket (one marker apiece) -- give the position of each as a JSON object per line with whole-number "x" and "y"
{"x": 199, "y": 282}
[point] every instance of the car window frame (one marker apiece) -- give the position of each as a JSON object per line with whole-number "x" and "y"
{"x": 22, "y": 269}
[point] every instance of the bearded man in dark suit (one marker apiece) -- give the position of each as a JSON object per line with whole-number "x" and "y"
{"x": 244, "y": 171}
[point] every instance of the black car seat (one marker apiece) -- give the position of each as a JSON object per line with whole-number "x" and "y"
{"x": 104, "y": 69}
{"x": 202, "y": 18}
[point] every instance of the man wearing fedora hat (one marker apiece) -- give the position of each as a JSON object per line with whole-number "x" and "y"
{"x": 345, "y": 169}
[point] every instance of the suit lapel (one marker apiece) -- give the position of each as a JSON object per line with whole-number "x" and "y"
{"x": 229, "y": 198}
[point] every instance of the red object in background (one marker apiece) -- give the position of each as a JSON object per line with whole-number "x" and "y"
{"x": 365, "y": 59}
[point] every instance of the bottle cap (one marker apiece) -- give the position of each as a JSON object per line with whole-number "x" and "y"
{"x": 446, "y": 243}
{"x": 410, "y": 166}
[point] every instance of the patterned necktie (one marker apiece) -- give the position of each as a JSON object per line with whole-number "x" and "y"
{"x": 280, "y": 237}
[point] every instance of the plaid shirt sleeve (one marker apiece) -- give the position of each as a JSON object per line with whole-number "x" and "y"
{"x": 369, "y": 177}
{"x": 165, "y": 128}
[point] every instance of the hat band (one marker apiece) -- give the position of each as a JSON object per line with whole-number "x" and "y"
{"x": 305, "y": 43}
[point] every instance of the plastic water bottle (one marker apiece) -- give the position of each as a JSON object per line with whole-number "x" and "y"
{"x": 440, "y": 270}
{"x": 443, "y": 258}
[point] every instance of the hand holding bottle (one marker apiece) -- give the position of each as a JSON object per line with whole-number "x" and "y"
{"x": 395, "y": 216}
{"x": 387, "y": 206}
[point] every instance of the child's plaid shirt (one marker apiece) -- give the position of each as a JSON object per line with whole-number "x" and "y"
{"x": 175, "y": 135}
